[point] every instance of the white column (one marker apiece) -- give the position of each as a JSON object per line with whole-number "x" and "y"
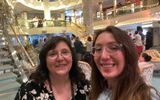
{"x": 156, "y": 34}
{"x": 25, "y": 19}
{"x": 88, "y": 16}
{"x": 114, "y": 6}
{"x": 47, "y": 12}
{"x": 132, "y": 7}
{"x": 62, "y": 15}
{"x": 75, "y": 19}
{"x": 101, "y": 9}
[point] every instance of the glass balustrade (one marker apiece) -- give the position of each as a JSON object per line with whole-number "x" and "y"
{"x": 126, "y": 9}
{"x": 47, "y": 23}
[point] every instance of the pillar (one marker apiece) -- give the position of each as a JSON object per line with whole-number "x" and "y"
{"x": 88, "y": 16}
{"x": 75, "y": 18}
{"x": 25, "y": 19}
{"x": 132, "y": 7}
{"x": 47, "y": 12}
{"x": 62, "y": 15}
{"x": 156, "y": 34}
{"x": 114, "y": 7}
{"x": 101, "y": 9}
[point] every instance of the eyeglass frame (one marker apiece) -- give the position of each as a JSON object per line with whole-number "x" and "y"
{"x": 64, "y": 54}
{"x": 106, "y": 49}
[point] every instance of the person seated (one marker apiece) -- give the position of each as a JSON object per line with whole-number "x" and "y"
{"x": 146, "y": 67}
{"x": 86, "y": 68}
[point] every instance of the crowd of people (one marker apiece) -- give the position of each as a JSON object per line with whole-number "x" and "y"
{"x": 141, "y": 41}
{"x": 37, "y": 22}
{"x": 115, "y": 70}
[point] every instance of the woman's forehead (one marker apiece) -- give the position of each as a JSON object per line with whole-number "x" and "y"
{"x": 105, "y": 37}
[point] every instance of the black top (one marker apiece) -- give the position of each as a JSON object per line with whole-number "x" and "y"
{"x": 32, "y": 90}
{"x": 78, "y": 46}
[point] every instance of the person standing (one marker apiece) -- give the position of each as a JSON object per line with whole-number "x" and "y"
{"x": 79, "y": 48}
{"x": 89, "y": 44}
{"x": 149, "y": 39}
{"x": 138, "y": 42}
{"x": 87, "y": 56}
{"x": 140, "y": 31}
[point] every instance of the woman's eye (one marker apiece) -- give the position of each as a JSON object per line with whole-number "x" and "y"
{"x": 52, "y": 54}
{"x": 114, "y": 47}
{"x": 98, "y": 49}
{"x": 65, "y": 52}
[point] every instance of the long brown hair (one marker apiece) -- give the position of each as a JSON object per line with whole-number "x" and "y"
{"x": 130, "y": 85}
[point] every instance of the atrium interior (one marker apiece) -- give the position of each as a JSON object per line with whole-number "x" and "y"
{"x": 26, "y": 24}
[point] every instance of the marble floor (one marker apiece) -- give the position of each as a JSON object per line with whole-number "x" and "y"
{"x": 156, "y": 82}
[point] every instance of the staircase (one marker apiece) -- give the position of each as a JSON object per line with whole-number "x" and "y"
{"x": 11, "y": 68}
{"x": 8, "y": 76}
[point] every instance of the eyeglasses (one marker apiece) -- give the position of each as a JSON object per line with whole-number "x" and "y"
{"x": 111, "y": 48}
{"x": 54, "y": 54}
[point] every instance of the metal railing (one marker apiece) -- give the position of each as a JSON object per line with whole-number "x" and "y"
{"x": 7, "y": 21}
{"x": 124, "y": 10}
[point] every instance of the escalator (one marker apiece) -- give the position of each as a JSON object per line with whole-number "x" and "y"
{"x": 8, "y": 76}
{"x": 13, "y": 68}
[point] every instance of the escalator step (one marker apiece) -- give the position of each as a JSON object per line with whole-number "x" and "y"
{"x": 6, "y": 67}
{"x": 7, "y": 76}
{"x": 10, "y": 86}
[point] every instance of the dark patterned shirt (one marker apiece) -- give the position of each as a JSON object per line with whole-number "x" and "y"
{"x": 38, "y": 91}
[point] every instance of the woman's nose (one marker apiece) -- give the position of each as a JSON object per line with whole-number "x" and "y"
{"x": 59, "y": 56}
{"x": 105, "y": 54}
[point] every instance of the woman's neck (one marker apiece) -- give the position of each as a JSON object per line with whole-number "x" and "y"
{"x": 61, "y": 87}
{"x": 111, "y": 83}
{"x": 59, "y": 80}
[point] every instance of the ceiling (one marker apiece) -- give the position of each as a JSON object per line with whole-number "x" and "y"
{"x": 106, "y": 3}
{"x": 20, "y": 8}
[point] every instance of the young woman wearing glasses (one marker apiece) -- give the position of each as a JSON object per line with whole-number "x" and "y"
{"x": 57, "y": 77}
{"x": 115, "y": 71}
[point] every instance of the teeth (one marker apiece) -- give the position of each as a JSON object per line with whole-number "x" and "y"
{"x": 60, "y": 65}
{"x": 108, "y": 65}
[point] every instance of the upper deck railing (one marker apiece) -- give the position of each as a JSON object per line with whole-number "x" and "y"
{"x": 124, "y": 10}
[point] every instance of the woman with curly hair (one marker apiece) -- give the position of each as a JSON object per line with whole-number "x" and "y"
{"x": 57, "y": 77}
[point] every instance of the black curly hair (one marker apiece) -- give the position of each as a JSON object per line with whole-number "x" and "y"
{"x": 146, "y": 57}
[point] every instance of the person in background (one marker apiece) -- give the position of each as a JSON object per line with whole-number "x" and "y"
{"x": 115, "y": 72}
{"x": 146, "y": 67}
{"x": 140, "y": 31}
{"x": 40, "y": 22}
{"x": 73, "y": 40}
{"x": 138, "y": 42}
{"x": 57, "y": 77}
{"x": 149, "y": 39}
{"x": 87, "y": 56}
{"x": 79, "y": 48}
{"x": 39, "y": 45}
{"x": 89, "y": 44}
{"x": 35, "y": 21}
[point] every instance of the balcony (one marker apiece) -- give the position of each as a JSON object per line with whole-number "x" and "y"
{"x": 128, "y": 14}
